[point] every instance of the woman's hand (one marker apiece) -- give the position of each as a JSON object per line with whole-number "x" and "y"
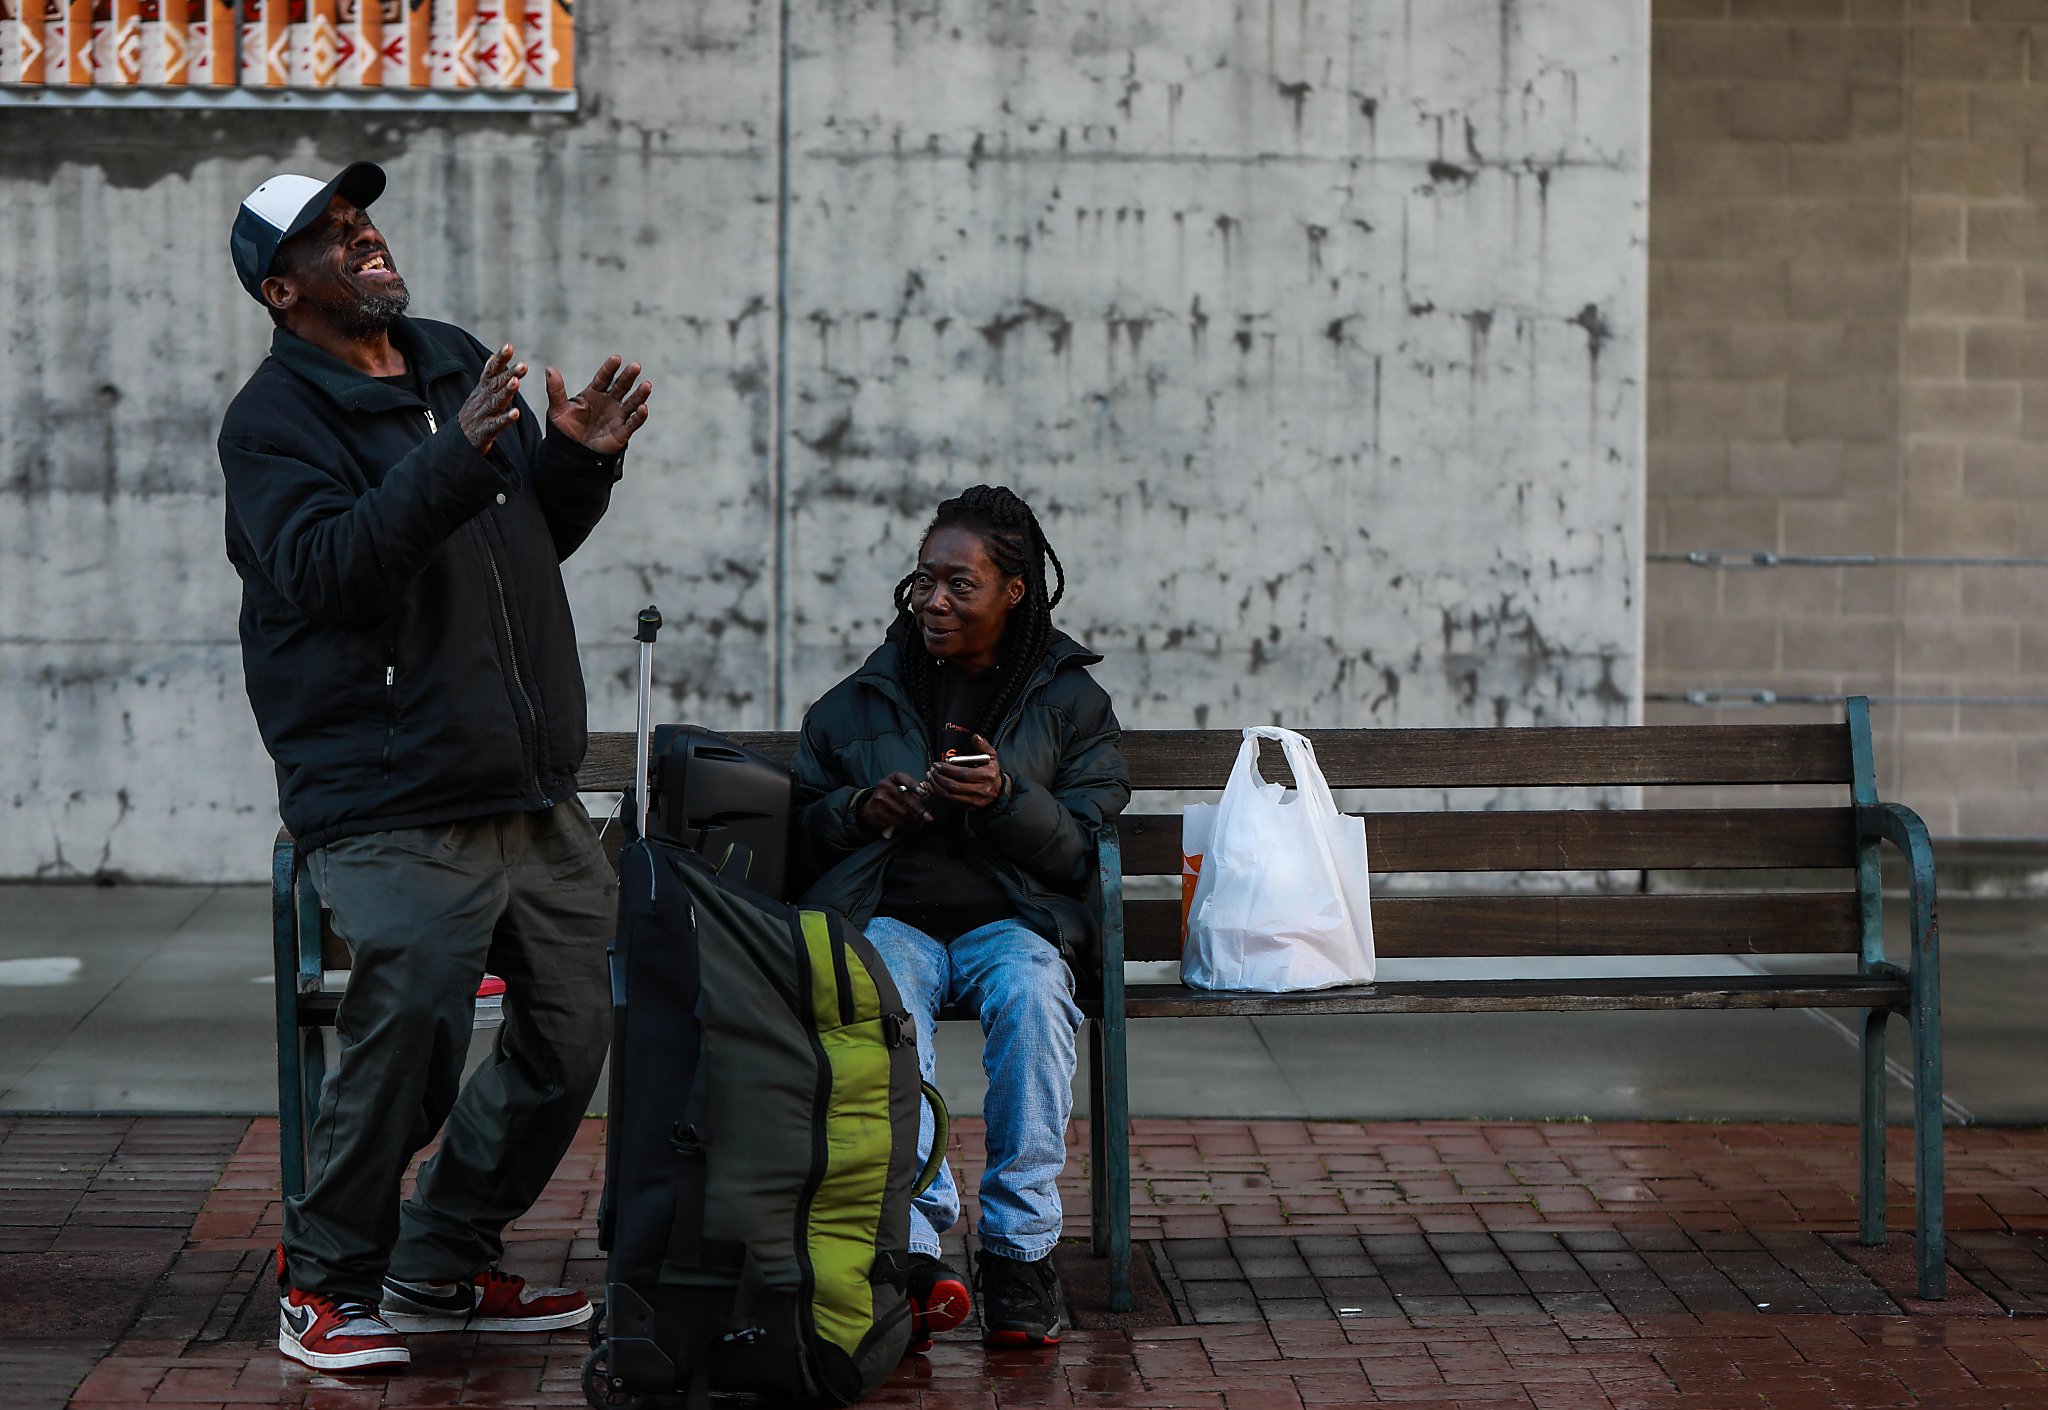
{"x": 972, "y": 786}
{"x": 896, "y": 801}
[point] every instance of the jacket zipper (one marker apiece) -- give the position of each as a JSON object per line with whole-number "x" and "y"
{"x": 390, "y": 703}
{"x": 518, "y": 677}
{"x": 391, "y": 663}
{"x": 511, "y": 656}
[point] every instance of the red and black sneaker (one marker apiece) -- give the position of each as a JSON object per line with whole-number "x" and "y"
{"x": 1021, "y": 1304}
{"x": 333, "y": 1334}
{"x": 939, "y": 1300}
{"x": 492, "y": 1301}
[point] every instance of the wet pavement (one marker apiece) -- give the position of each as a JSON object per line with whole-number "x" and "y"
{"x": 1290, "y": 1264}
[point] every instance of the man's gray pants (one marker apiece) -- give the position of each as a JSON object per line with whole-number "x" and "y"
{"x": 426, "y": 912}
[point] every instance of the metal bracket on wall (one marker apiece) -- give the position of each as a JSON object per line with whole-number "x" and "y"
{"x": 1743, "y": 697}
{"x": 1766, "y": 558}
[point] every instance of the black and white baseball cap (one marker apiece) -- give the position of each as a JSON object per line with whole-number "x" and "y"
{"x": 283, "y": 206}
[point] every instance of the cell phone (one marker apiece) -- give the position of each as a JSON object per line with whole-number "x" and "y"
{"x": 966, "y": 759}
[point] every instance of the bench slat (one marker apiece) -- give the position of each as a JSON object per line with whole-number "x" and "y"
{"x": 1455, "y": 996}
{"x": 318, "y": 1009}
{"x": 1518, "y": 995}
{"x": 1438, "y": 927}
{"x": 1433, "y": 758}
{"x": 1513, "y": 758}
{"x": 1667, "y": 839}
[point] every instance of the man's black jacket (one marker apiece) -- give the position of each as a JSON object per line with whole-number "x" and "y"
{"x": 405, "y": 635}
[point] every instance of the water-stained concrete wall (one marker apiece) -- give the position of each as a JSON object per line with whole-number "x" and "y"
{"x": 1313, "y": 330}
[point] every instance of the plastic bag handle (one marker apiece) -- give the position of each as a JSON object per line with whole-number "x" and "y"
{"x": 1246, "y": 771}
{"x": 1301, "y": 757}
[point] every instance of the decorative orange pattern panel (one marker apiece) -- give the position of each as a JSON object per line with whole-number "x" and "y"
{"x": 394, "y": 44}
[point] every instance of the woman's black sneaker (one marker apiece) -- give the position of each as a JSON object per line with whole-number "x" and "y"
{"x": 1020, "y": 1302}
{"x": 938, "y": 1300}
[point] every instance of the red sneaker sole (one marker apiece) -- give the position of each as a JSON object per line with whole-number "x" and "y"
{"x": 1021, "y": 1339}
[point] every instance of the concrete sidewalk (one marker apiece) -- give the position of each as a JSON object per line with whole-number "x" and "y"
{"x": 158, "y": 999}
{"x": 1286, "y": 1265}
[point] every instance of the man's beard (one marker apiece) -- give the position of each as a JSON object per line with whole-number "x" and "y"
{"x": 363, "y": 313}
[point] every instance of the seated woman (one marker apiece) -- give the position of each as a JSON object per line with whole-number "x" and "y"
{"x": 950, "y": 790}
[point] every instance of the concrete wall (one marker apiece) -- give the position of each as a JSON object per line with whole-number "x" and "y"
{"x": 1848, "y": 356}
{"x": 1315, "y": 333}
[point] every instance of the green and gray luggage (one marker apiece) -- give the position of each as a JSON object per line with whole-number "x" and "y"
{"x": 762, "y": 1143}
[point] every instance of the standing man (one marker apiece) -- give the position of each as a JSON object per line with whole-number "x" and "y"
{"x": 398, "y": 519}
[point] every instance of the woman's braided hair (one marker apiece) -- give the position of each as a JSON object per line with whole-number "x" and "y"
{"x": 1009, "y": 531}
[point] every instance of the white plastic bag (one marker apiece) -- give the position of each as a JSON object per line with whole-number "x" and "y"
{"x": 1281, "y": 901}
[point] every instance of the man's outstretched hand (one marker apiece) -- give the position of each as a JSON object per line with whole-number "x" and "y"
{"x": 605, "y": 414}
{"x": 494, "y": 403}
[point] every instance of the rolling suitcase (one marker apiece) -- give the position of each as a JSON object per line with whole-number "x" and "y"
{"x": 761, "y": 1146}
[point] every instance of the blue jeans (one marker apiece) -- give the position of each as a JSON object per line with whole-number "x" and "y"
{"x": 1016, "y": 981}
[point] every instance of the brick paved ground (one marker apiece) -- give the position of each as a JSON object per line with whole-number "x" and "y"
{"x": 1289, "y": 1265}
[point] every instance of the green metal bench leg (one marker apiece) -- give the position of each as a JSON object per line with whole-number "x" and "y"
{"x": 1116, "y": 1107}
{"x": 1098, "y": 1146}
{"x": 1928, "y": 1174}
{"x": 1903, "y": 828}
{"x": 1871, "y": 959}
{"x": 1870, "y": 1231}
{"x": 1110, "y": 1118}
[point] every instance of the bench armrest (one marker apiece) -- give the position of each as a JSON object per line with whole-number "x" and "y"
{"x": 1901, "y": 826}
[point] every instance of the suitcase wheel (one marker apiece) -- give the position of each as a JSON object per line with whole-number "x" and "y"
{"x": 601, "y": 1390}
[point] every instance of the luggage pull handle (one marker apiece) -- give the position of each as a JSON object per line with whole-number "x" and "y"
{"x": 942, "y": 1122}
{"x": 648, "y": 623}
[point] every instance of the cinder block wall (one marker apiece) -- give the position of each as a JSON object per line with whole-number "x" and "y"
{"x": 1849, "y": 273}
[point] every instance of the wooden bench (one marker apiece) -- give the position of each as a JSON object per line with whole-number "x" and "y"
{"x": 1808, "y": 932}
